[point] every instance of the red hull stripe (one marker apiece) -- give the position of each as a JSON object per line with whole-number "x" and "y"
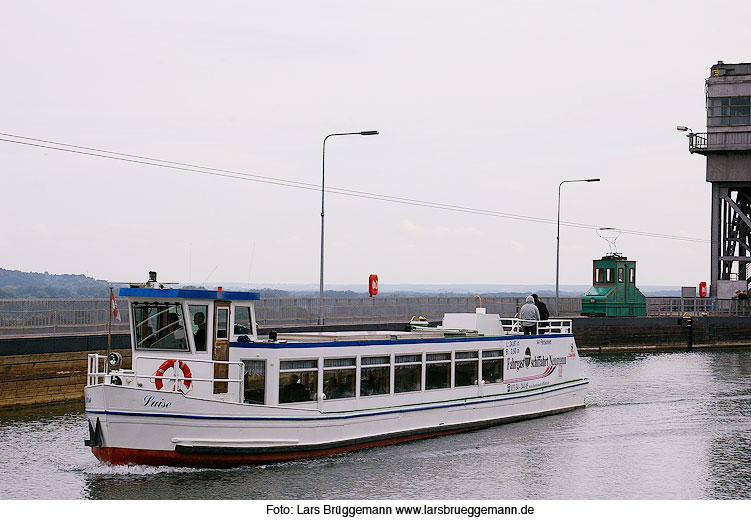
{"x": 222, "y": 457}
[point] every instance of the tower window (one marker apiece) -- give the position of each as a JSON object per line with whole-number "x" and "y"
{"x": 729, "y": 111}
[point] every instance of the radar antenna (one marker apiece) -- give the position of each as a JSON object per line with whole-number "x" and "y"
{"x": 610, "y": 235}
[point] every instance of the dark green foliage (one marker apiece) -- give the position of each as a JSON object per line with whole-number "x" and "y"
{"x": 18, "y": 284}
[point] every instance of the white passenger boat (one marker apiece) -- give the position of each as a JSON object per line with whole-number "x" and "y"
{"x": 205, "y": 390}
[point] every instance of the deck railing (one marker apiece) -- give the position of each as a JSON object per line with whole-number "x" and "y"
{"x": 719, "y": 140}
{"x": 98, "y": 373}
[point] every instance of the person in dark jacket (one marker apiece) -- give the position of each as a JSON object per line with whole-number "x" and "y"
{"x": 544, "y": 314}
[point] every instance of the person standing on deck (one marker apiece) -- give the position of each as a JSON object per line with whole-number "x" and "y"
{"x": 541, "y": 307}
{"x": 529, "y": 316}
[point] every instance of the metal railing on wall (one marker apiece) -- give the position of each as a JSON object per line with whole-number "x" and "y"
{"x": 24, "y": 317}
{"x": 44, "y": 317}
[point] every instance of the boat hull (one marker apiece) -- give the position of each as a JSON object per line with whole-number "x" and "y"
{"x": 221, "y": 435}
{"x": 218, "y": 457}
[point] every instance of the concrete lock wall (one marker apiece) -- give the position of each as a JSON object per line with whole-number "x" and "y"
{"x": 50, "y": 369}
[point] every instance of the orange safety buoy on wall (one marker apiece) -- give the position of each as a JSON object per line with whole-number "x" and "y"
{"x": 373, "y": 285}
{"x": 703, "y": 289}
{"x": 158, "y": 382}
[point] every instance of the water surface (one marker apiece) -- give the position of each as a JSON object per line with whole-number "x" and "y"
{"x": 656, "y": 426}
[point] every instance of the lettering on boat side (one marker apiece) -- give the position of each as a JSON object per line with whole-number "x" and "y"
{"x": 542, "y": 341}
{"x": 151, "y": 401}
{"x": 512, "y": 347}
{"x": 88, "y": 399}
{"x": 536, "y": 361}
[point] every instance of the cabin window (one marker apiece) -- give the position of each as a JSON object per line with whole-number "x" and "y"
{"x": 255, "y": 381}
{"x": 298, "y": 381}
{"x": 492, "y": 366}
{"x": 222, "y": 323}
{"x": 339, "y": 378}
{"x": 632, "y": 275}
{"x": 609, "y": 275}
{"x": 243, "y": 323}
{"x": 438, "y": 370}
{"x": 465, "y": 368}
{"x": 198, "y": 316}
{"x": 159, "y": 326}
{"x": 374, "y": 375}
{"x": 620, "y": 274}
{"x": 599, "y": 275}
{"x": 408, "y": 373}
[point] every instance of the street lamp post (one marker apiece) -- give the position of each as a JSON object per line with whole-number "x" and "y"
{"x": 558, "y": 237}
{"x": 323, "y": 179}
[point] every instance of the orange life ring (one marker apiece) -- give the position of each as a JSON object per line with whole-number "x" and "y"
{"x": 173, "y": 363}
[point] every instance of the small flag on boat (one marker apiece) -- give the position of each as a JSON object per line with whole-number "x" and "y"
{"x": 113, "y": 306}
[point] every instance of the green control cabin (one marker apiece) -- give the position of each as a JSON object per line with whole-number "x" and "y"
{"x": 613, "y": 291}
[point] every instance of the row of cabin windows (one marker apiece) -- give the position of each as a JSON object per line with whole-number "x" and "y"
{"x": 298, "y": 379}
{"x": 729, "y": 111}
{"x": 607, "y": 275}
{"x": 161, "y": 325}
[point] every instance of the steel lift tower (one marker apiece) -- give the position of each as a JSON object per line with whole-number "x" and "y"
{"x": 727, "y": 147}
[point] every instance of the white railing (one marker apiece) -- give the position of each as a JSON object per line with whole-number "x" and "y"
{"x": 514, "y": 326}
{"x": 97, "y": 369}
{"x": 98, "y": 374}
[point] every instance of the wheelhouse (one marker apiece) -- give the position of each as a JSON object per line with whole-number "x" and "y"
{"x": 190, "y": 330}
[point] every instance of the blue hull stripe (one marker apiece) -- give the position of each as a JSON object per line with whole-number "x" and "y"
{"x": 363, "y": 343}
{"x": 342, "y": 417}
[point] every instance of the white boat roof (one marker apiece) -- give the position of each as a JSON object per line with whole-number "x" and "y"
{"x": 371, "y": 335}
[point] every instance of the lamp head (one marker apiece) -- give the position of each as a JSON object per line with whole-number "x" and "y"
{"x": 370, "y": 132}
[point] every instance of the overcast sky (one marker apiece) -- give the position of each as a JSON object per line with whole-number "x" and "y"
{"x": 484, "y": 105}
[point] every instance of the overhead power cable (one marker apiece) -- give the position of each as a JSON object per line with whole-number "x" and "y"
{"x": 244, "y": 176}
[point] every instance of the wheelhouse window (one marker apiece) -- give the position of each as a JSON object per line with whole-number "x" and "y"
{"x": 222, "y": 323}
{"x": 408, "y": 373}
{"x": 243, "y": 320}
{"x": 198, "y": 316}
{"x": 438, "y": 370}
{"x": 465, "y": 368}
{"x": 298, "y": 381}
{"x": 339, "y": 378}
{"x": 492, "y": 366}
{"x": 729, "y": 111}
{"x": 374, "y": 375}
{"x": 255, "y": 381}
{"x": 159, "y": 326}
